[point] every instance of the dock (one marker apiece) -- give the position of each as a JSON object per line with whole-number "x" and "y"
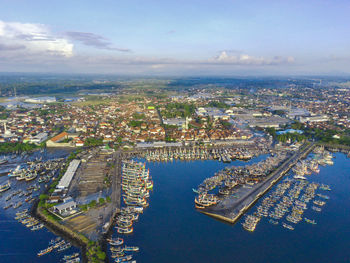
{"x": 232, "y": 208}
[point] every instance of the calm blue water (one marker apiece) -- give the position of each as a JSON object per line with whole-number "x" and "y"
{"x": 170, "y": 230}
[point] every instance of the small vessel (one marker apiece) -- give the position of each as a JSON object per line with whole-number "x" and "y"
{"x": 319, "y": 202}
{"x": 325, "y": 187}
{"x": 3, "y": 161}
{"x": 31, "y": 177}
{"x": 37, "y": 227}
{"x": 8, "y": 206}
{"x": 73, "y": 260}
{"x": 23, "y": 212}
{"x": 316, "y": 208}
{"x": 17, "y": 205}
{"x": 123, "y": 259}
{"x": 122, "y": 230}
{"x": 64, "y": 247}
{"x": 274, "y": 222}
{"x": 287, "y": 226}
{"x": 45, "y": 251}
{"x": 313, "y": 222}
{"x": 126, "y": 248}
{"x": 323, "y": 196}
{"x": 115, "y": 242}
{"x": 195, "y": 191}
{"x": 67, "y": 257}
{"x": 5, "y": 187}
{"x": 299, "y": 177}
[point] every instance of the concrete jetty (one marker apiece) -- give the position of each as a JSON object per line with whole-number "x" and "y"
{"x": 233, "y": 207}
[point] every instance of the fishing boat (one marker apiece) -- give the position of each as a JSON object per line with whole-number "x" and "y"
{"x": 123, "y": 259}
{"x": 299, "y": 177}
{"x": 195, "y": 191}
{"x": 135, "y": 249}
{"x": 3, "y": 161}
{"x": 8, "y": 206}
{"x": 115, "y": 242}
{"x": 319, "y": 202}
{"x": 23, "y": 212}
{"x": 73, "y": 260}
{"x": 37, "y": 227}
{"x": 5, "y": 187}
{"x": 313, "y": 222}
{"x": 68, "y": 257}
{"x": 316, "y": 208}
{"x": 45, "y": 251}
{"x": 274, "y": 222}
{"x": 287, "y": 226}
{"x": 59, "y": 244}
{"x": 122, "y": 230}
{"x": 17, "y": 205}
{"x": 31, "y": 177}
{"x": 64, "y": 247}
{"x": 199, "y": 206}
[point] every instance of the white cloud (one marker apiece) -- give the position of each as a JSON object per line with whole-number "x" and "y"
{"x": 36, "y": 39}
{"x": 29, "y": 46}
{"x": 243, "y": 59}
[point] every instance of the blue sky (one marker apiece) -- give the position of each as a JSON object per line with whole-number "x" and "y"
{"x": 176, "y": 37}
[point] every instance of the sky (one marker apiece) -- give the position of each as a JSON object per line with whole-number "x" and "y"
{"x": 182, "y": 37}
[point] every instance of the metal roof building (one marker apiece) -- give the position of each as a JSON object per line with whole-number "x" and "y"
{"x": 68, "y": 176}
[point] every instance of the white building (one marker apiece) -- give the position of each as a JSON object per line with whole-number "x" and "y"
{"x": 68, "y": 176}
{"x": 66, "y": 208}
{"x": 39, "y": 138}
{"x": 318, "y": 118}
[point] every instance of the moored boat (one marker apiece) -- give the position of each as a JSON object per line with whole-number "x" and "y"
{"x": 115, "y": 242}
{"x": 5, "y": 187}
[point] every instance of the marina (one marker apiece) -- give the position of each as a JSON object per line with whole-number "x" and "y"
{"x": 165, "y": 226}
{"x": 149, "y": 188}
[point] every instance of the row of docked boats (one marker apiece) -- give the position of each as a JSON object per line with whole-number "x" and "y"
{"x": 28, "y": 172}
{"x": 27, "y": 197}
{"x": 33, "y": 170}
{"x": 121, "y": 253}
{"x": 290, "y": 199}
{"x": 136, "y": 184}
{"x": 197, "y": 153}
{"x": 136, "y": 187}
{"x": 28, "y": 221}
{"x": 58, "y": 245}
{"x": 311, "y": 165}
{"x": 118, "y": 250}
